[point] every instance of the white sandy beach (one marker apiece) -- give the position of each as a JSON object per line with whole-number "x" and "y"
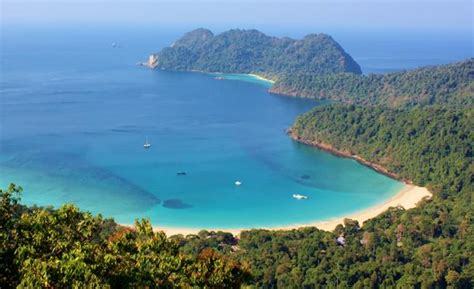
{"x": 261, "y": 78}
{"x": 408, "y": 197}
{"x": 256, "y": 76}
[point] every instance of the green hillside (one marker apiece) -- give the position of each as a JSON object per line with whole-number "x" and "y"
{"x": 451, "y": 84}
{"x": 251, "y": 51}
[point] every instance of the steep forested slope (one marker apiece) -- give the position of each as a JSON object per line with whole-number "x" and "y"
{"x": 429, "y": 145}
{"x": 451, "y": 84}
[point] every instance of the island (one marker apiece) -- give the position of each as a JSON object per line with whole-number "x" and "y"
{"x": 253, "y": 52}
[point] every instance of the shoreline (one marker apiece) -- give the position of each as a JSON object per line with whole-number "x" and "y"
{"x": 253, "y": 75}
{"x": 261, "y": 78}
{"x": 407, "y": 197}
{"x": 256, "y": 76}
{"x": 346, "y": 154}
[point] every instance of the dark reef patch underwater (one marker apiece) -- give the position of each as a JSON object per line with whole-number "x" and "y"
{"x": 176, "y": 204}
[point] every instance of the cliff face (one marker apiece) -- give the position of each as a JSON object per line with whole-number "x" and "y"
{"x": 246, "y": 51}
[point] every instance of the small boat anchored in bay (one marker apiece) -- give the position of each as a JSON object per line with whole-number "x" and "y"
{"x": 147, "y": 144}
{"x": 300, "y": 197}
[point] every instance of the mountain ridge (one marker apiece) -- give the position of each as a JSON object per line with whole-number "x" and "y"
{"x": 450, "y": 84}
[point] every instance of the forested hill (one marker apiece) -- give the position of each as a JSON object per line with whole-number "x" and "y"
{"x": 451, "y": 84}
{"x": 251, "y": 51}
{"x": 431, "y": 146}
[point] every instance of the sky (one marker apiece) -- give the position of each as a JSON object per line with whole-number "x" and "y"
{"x": 323, "y": 14}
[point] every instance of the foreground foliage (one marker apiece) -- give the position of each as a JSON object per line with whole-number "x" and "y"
{"x": 67, "y": 248}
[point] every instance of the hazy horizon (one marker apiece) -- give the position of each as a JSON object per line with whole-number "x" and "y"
{"x": 310, "y": 16}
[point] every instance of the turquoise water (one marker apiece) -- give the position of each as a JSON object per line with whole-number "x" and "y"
{"x": 75, "y": 113}
{"x": 243, "y": 77}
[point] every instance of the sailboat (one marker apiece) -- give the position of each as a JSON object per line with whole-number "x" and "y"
{"x": 147, "y": 144}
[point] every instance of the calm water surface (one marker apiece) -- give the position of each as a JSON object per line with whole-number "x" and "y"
{"x": 75, "y": 113}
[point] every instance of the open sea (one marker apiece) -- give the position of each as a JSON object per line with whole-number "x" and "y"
{"x": 75, "y": 113}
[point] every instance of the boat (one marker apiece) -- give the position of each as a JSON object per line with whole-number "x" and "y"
{"x": 238, "y": 183}
{"x": 147, "y": 144}
{"x": 181, "y": 173}
{"x": 219, "y": 78}
{"x": 299, "y": 197}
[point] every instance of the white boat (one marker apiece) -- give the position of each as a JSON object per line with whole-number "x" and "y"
{"x": 238, "y": 183}
{"x": 147, "y": 144}
{"x": 299, "y": 197}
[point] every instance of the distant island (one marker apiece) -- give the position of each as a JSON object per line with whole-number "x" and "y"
{"x": 251, "y": 51}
